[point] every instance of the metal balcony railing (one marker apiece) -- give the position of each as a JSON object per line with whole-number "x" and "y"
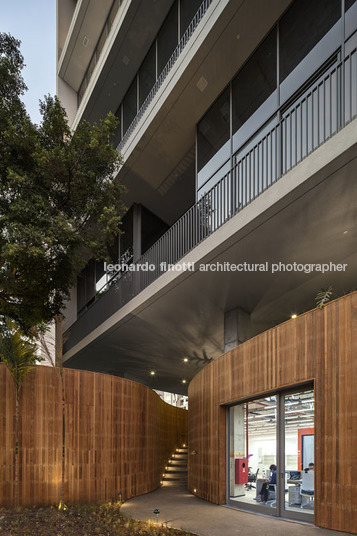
{"x": 172, "y": 60}
{"x": 320, "y": 112}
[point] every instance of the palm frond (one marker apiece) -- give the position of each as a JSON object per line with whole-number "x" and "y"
{"x": 323, "y": 297}
{"x": 17, "y": 352}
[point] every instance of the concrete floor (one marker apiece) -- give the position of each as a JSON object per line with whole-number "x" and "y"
{"x": 180, "y": 509}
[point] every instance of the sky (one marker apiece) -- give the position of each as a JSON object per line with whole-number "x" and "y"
{"x": 33, "y": 22}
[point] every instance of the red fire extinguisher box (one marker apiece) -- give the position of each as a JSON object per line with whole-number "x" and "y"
{"x": 241, "y": 470}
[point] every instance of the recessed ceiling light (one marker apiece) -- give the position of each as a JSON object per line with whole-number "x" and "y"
{"x": 152, "y": 373}
{"x": 184, "y": 381}
{"x": 345, "y": 232}
{"x": 185, "y": 359}
{"x": 294, "y": 315}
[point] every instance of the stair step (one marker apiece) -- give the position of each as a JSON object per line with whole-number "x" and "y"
{"x": 173, "y": 478}
{"x": 174, "y": 472}
{"x": 176, "y": 469}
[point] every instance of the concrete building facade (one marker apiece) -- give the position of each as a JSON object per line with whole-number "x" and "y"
{"x": 237, "y": 125}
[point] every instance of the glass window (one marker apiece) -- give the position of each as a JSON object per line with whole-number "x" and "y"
{"x": 152, "y": 228}
{"x": 302, "y": 27}
{"x": 213, "y": 130}
{"x": 100, "y": 276}
{"x": 348, "y": 4}
{"x": 81, "y": 290}
{"x": 117, "y": 134}
{"x": 90, "y": 281}
{"x": 147, "y": 74}
{"x": 126, "y": 238}
{"x": 130, "y": 105}
{"x": 299, "y": 452}
{"x": 188, "y": 9}
{"x": 113, "y": 249}
{"x": 167, "y": 38}
{"x": 255, "y": 81}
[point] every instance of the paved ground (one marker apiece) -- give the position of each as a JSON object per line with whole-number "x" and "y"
{"x": 180, "y": 509}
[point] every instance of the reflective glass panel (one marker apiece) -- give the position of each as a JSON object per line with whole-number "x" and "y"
{"x": 167, "y": 38}
{"x": 213, "y": 130}
{"x": 302, "y": 27}
{"x": 255, "y": 81}
{"x": 147, "y": 74}
{"x": 188, "y": 9}
{"x": 299, "y": 452}
{"x": 130, "y": 105}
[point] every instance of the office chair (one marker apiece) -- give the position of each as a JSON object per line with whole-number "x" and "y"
{"x": 307, "y": 489}
{"x": 252, "y": 478}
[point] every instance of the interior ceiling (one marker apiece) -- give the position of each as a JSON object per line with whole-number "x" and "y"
{"x": 187, "y": 320}
{"x": 299, "y": 413}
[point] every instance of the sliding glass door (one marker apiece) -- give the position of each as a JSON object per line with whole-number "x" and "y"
{"x": 253, "y": 455}
{"x": 297, "y": 453}
{"x": 271, "y": 455}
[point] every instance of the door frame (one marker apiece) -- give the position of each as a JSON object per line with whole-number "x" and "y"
{"x": 279, "y": 510}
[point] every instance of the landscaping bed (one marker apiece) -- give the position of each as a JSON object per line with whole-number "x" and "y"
{"x": 81, "y": 520}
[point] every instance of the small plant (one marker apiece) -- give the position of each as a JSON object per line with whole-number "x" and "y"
{"x": 323, "y": 297}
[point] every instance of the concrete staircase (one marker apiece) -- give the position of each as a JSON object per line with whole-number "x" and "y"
{"x": 176, "y": 469}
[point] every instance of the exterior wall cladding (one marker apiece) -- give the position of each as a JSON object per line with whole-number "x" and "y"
{"x": 237, "y": 124}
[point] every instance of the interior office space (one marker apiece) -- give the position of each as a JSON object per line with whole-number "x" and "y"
{"x": 238, "y": 133}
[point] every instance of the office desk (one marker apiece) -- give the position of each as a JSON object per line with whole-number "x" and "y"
{"x": 294, "y": 495}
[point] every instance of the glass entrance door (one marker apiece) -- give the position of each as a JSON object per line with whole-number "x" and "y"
{"x": 297, "y": 453}
{"x": 271, "y": 455}
{"x": 253, "y": 455}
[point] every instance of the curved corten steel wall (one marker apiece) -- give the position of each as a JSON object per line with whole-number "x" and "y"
{"x": 318, "y": 346}
{"x": 119, "y": 436}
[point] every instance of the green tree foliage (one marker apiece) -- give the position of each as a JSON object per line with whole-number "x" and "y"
{"x": 58, "y": 200}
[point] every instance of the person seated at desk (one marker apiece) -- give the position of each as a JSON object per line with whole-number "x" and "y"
{"x": 310, "y": 468}
{"x": 264, "y": 492}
